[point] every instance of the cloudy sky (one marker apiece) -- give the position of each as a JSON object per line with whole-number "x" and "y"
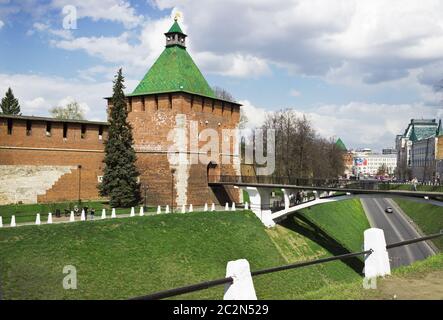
{"x": 359, "y": 70}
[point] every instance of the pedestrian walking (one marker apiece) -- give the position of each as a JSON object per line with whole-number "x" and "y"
{"x": 414, "y": 184}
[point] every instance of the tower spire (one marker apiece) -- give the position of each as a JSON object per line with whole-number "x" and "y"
{"x": 175, "y": 35}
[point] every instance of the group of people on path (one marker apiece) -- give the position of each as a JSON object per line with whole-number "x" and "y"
{"x": 77, "y": 211}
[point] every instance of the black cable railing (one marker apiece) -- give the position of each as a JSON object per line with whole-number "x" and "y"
{"x": 208, "y": 284}
{"x": 411, "y": 241}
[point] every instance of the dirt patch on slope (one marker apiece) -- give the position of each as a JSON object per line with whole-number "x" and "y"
{"x": 428, "y": 287}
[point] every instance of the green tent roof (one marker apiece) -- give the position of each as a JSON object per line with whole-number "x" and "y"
{"x": 174, "y": 71}
{"x": 413, "y": 137}
{"x": 422, "y": 132}
{"x": 175, "y": 28}
{"x": 340, "y": 145}
{"x": 422, "y": 129}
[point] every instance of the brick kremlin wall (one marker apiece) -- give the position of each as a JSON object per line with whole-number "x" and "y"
{"x": 31, "y": 152}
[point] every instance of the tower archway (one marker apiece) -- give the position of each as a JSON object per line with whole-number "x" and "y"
{"x": 213, "y": 171}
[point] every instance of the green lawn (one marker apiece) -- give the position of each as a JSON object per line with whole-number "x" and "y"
{"x": 345, "y": 221}
{"x": 409, "y": 187}
{"x": 118, "y": 259}
{"x": 354, "y": 289}
{"x": 27, "y": 212}
{"x": 428, "y": 217}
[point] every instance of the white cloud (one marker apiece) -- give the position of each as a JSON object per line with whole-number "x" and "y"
{"x": 110, "y": 49}
{"x": 34, "y": 105}
{"x": 368, "y": 124}
{"x": 256, "y": 115}
{"x": 67, "y": 100}
{"x": 381, "y": 40}
{"x": 111, "y": 10}
{"x": 233, "y": 65}
{"x": 47, "y": 92}
{"x": 358, "y": 124}
{"x": 139, "y": 52}
{"x": 1, "y": 24}
{"x": 295, "y": 93}
{"x": 46, "y": 28}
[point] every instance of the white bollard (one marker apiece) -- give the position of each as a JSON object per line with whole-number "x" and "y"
{"x": 159, "y": 210}
{"x": 167, "y": 209}
{"x": 132, "y": 212}
{"x": 183, "y": 208}
{"x": 206, "y": 207}
{"x": 377, "y": 263}
{"x": 72, "y": 217}
{"x": 13, "y": 221}
{"x": 83, "y": 216}
{"x": 191, "y": 208}
{"x": 103, "y": 213}
{"x": 142, "y": 211}
{"x": 246, "y": 206}
{"x": 233, "y": 206}
{"x": 213, "y": 207}
{"x": 227, "y": 206}
{"x": 113, "y": 213}
{"x": 37, "y": 219}
{"x": 242, "y": 287}
{"x": 1, "y": 222}
{"x": 50, "y": 218}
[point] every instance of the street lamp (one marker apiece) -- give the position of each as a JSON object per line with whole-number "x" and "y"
{"x": 79, "y": 181}
{"x": 172, "y": 190}
{"x": 145, "y": 187}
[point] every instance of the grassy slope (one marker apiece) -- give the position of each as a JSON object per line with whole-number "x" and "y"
{"x": 118, "y": 259}
{"x": 354, "y": 289}
{"x": 27, "y": 212}
{"x": 345, "y": 221}
{"x": 429, "y": 218}
{"x": 409, "y": 187}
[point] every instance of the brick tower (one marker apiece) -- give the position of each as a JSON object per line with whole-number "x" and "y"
{"x": 170, "y": 104}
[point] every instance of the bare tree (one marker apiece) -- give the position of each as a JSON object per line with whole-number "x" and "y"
{"x": 70, "y": 111}
{"x": 300, "y": 151}
{"x": 243, "y": 119}
{"x": 223, "y": 94}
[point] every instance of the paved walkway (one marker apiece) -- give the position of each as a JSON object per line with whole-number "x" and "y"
{"x": 98, "y": 214}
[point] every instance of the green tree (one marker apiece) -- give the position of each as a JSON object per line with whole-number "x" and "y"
{"x": 70, "y": 111}
{"x": 120, "y": 173}
{"x": 9, "y": 104}
{"x": 382, "y": 170}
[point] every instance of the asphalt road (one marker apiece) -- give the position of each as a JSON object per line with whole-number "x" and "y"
{"x": 397, "y": 228}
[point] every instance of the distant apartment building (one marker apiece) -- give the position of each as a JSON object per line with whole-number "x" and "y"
{"x": 367, "y": 164}
{"x": 418, "y": 154}
{"x": 389, "y": 151}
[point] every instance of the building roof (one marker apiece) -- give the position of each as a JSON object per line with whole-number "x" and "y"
{"x": 422, "y": 129}
{"x": 174, "y": 71}
{"x": 175, "y": 28}
{"x": 340, "y": 145}
{"x": 33, "y": 118}
{"x": 413, "y": 135}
